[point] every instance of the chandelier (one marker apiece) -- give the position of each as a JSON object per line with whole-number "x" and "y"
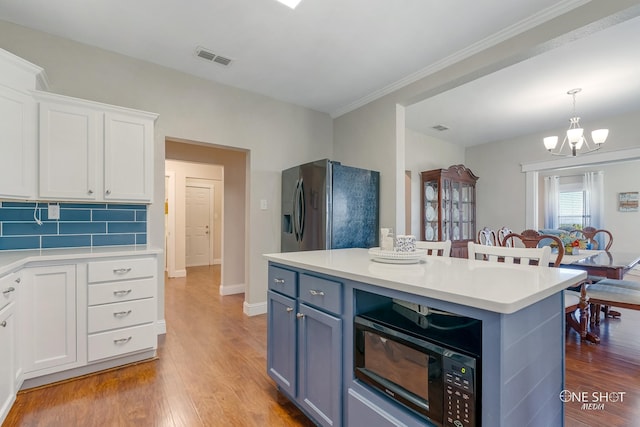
{"x": 574, "y": 142}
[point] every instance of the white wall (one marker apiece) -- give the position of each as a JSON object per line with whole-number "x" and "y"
{"x": 423, "y": 153}
{"x": 278, "y": 135}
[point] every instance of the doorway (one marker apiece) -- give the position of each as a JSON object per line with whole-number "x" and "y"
{"x": 199, "y": 225}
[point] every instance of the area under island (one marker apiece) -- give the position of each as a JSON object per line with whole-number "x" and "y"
{"x": 318, "y": 301}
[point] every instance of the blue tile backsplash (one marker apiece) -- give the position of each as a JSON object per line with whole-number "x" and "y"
{"x": 80, "y": 225}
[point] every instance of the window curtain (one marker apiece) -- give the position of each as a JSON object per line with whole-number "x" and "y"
{"x": 594, "y": 189}
{"x": 551, "y": 201}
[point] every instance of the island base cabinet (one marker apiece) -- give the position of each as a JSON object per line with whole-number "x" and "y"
{"x": 281, "y": 352}
{"x": 7, "y": 359}
{"x": 320, "y": 370}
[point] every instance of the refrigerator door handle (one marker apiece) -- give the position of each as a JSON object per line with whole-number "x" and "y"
{"x": 295, "y": 210}
{"x": 302, "y": 212}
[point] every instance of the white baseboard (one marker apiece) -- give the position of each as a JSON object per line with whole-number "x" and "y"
{"x": 217, "y": 261}
{"x": 254, "y": 309}
{"x": 161, "y": 327}
{"x": 178, "y": 273}
{"x": 232, "y": 289}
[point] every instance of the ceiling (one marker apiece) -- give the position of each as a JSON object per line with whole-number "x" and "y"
{"x": 334, "y": 55}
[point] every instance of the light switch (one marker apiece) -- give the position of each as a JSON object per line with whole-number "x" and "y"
{"x": 54, "y": 211}
{"x": 263, "y": 204}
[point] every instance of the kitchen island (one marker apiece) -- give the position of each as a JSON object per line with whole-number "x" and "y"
{"x": 314, "y": 297}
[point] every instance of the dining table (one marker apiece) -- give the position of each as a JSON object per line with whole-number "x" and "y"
{"x": 605, "y": 264}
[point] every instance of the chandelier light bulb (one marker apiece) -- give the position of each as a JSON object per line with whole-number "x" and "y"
{"x": 575, "y": 135}
{"x": 550, "y": 142}
{"x": 599, "y": 136}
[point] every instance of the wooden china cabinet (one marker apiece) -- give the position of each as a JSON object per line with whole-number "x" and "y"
{"x": 448, "y": 208}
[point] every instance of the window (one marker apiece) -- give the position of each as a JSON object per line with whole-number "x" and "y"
{"x": 572, "y": 210}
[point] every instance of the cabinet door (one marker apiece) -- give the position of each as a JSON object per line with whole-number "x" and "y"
{"x": 69, "y": 138}
{"x": 18, "y": 161}
{"x": 320, "y": 370}
{"x": 7, "y": 359}
{"x": 49, "y": 296}
{"x": 128, "y": 158}
{"x": 281, "y": 336}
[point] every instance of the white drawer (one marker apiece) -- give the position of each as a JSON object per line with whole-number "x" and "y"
{"x": 8, "y": 288}
{"x": 122, "y": 269}
{"x": 122, "y": 341}
{"x": 121, "y": 314}
{"x": 126, "y": 290}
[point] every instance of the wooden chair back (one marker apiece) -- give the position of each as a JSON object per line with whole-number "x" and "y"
{"x": 502, "y": 232}
{"x": 524, "y": 256}
{"x": 532, "y": 239}
{"x": 486, "y": 236}
{"x": 435, "y": 248}
{"x": 589, "y": 234}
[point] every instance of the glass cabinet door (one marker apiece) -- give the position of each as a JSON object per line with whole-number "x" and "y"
{"x": 432, "y": 210}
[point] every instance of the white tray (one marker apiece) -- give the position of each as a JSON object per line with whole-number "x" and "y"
{"x": 393, "y": 257}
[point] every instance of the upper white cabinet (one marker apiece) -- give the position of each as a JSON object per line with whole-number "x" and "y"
{"x": 94, "y": 152}
{"x": 18, "y": 127}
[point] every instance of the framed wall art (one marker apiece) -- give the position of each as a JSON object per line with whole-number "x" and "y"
{"x": 628, "y": 202}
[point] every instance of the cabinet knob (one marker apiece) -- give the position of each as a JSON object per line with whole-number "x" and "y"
{"x": 299, "y": 315}
{"x": 289, "y": 309}
{"x": 316, "y": 293}
{"x": 18, "y": 280}
{"x": 8, "y": 290}
{"x": 90, "y": 191}
{"x": 278, "y": 281}
{"x": 108, "y": 191}
{"x": 3, "y": 324}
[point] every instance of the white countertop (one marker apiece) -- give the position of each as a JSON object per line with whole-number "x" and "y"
{"x": 497, "y": 287}
{"x": 12, "y": 260}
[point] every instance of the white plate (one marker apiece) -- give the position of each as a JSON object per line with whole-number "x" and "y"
{"x": 429, "y": 192}
{"x": 431, "y": 213}
{"x": 393, "y": 257}
{"x": 456, "y": 196}
{"x": 456, "y": 233}
{"x": 430, "y": 233}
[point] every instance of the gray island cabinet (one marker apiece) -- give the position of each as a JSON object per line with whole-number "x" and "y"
{"x": 314, "y": 296}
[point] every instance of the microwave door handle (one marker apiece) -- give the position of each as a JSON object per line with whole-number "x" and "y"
{"x": 302, "y": 210}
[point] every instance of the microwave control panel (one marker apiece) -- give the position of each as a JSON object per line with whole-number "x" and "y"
{"x": 459, "y": 394}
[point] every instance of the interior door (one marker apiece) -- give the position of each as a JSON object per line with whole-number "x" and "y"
{"x": 198, "y": 225}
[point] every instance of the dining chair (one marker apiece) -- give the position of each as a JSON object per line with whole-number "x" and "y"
{"x": 502, "y": 232}
{"x": 442, "y": 248}
{"x": 589, "y": 234}
{"x": 533, "y": 239}
{"x": 486, "y": 236}
{"x": 540, "y": 256}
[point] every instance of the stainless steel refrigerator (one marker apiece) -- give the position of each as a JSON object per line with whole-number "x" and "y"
{"x": 326, "y": 205}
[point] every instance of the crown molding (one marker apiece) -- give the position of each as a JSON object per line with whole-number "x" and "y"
{"x": 499, "y": 37}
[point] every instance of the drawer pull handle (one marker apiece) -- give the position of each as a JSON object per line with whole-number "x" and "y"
{"x": 278, "y": 281}
{"x": 3, "y": 324}
{"x": 299, "y": 315}
{"x": 289, "y": 309}
{"x": 121, "y": 293}
{"x": 122, "y": 313}
{"x": 122, "y": 340}
{"x": 9, "y": 290}
{"x": 316, "y": 293}
{"x": 121, "y": 270}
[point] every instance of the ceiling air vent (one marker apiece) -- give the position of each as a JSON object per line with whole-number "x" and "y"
{"x": 210, "y": 56}
{"x": 440, "y": 127}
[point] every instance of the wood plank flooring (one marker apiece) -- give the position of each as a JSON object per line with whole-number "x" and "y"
{"x": 211, "y": 371}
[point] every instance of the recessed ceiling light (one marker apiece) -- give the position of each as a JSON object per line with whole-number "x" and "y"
{"x": 291, "y": 3}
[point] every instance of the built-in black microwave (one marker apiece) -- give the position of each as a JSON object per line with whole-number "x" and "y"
{"x": 430, "y": 363}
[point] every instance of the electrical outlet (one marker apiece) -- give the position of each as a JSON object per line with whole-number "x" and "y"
{"x": 263, "y": 204}
{"x": 54, "y": 211}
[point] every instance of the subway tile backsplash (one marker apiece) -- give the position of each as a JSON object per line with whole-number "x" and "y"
{"x": 80, "y": 225}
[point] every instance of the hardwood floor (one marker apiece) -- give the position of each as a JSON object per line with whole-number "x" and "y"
{"x": 211, "y": 371}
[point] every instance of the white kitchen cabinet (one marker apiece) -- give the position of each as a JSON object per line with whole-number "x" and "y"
{"x": 94, "y": 152}
{"x": 49, "y": 321}
{"x": 18, "y": 126}
{"x": 122, "y": 307}
{"x": 7, "y": 359}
